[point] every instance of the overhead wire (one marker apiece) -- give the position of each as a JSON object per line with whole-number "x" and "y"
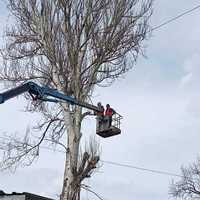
{"x": 116, "y": 163}
{"x": 127, "y": 165}
{"x": 141, "y": 168}
{"x": 175, "y": 18}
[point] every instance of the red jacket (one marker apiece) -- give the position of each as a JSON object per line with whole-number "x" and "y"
{"x": 109, "y": 112}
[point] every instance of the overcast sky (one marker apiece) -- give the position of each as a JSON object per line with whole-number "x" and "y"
{"x": 159, "y": 100}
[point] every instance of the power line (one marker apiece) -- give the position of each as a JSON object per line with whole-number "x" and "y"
{"x": 142, "y": 169}
{"x": 126, "y": 165}
{"x": 175, "y": 18}
{"x": 116, "y": 164}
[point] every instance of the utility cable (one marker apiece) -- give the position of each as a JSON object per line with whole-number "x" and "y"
{"x": 141, "y": 168}
{"x": 116, "y": 163}
{"x": 175, "y": 18}
{"x": 127, "y": 165}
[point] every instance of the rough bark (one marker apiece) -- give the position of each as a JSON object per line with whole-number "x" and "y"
{"x": 71, "y": 184}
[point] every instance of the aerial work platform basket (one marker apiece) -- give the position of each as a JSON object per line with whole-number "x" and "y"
{"x": 107, "y": 126}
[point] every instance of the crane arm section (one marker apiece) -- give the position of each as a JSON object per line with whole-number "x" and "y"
{"x": 40, "y": 92}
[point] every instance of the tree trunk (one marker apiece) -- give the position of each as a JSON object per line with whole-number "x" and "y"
{"x": 71, "y": 183}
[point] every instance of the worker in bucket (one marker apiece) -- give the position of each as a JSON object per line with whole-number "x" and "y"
{"x": 109, "y": 113}
{"x": 100, "y": 116}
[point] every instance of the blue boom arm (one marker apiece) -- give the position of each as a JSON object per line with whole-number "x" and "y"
{"x": 39, "y": 92}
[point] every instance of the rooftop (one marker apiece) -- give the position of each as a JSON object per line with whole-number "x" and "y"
{"x": 28, "y": 196}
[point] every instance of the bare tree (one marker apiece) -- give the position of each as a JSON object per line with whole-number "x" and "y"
{"x": 72, "y": 46}
{"x": 189, "y": 186}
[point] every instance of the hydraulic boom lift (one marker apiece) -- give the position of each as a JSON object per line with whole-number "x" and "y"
{"x": 43, "y": 93}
